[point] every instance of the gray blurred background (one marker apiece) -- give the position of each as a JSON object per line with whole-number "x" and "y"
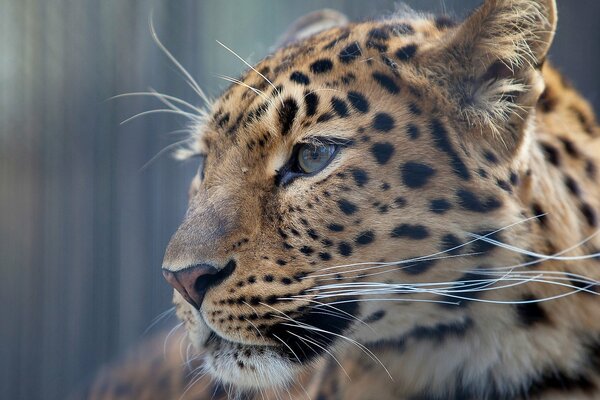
{"x": 82, "y": 226}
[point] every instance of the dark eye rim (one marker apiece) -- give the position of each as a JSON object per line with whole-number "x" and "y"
{"x": 288, "y": 173}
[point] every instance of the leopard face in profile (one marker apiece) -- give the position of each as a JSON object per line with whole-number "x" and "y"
{"x": 411, "y": 202}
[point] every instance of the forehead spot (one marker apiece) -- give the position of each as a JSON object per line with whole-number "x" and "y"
{"x": 382, "y": 151}
{"x": 321, "y": 66}
{"x": 406, "y": 53}
{"x": 383, "y": 122}
{"x": 358, "y": 101}
{"x": 350, "y": 53}
{"x": 386, "y": 82}
{"x": 414, "y": 232}
{"x": 416, "y": 175}
{"x": 339, "y": 107}
{"x": 299, "y": 78}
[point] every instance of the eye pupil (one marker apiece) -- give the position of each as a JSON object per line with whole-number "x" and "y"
{"x": 312, "y": 158}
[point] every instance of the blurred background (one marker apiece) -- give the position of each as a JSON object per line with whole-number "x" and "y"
{"x": 83, "y": 225}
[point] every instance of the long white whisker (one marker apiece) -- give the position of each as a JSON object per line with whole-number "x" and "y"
{"x": 159, "y": 95}
{"x": 253, "y": 69}
{"x": 191, "y": 116}
{"x": 238, "y": 82}
{"x": 191, "y": 81}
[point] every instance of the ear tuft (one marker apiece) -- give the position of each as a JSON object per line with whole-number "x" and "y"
{"x": 518, "y": 32}
{"x": 310, "y": 24}
{"x": 491, "y": 65}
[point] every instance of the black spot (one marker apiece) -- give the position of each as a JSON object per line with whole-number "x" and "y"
{"x": 223, "y": 120}
{"x": 383, "y": 122}
{"x": 589, "y": 214}
{"x": 321, "y": 66}
{"x": 502, "y": 184}
{"x": 570, "y": 147}
{"x": 252, "y": 279}
{"x": 286, "y": 281}
{"x": 255, "y": 300}
{"x": 376, "y": 316}
{"x": 365, "y": 238}
{"x": 481, "y": 247}
{"x": 312, "y": 102}
{"x": 551, "y": 153}
{"x": 386, "y": 82}
{"x": 400, "y": 202}
{"x": 379, "y": 46}
{"x": 416, "y": 175}
{"x": 281, "y": 262}
{"x": 590, "y": 169}
{"x": 382, "y": 152}
{"x": 300, "y": 78}
{"x": 350, "y": 53}
{"x": 347, "y": 207}
{"x": 439, "y": 206}
{"x": 287, "y": 114}
{"x": 307, "y": 250}
{"x": 442, "y": 142}
{"x": 339, "y": 107}
{"x": 538, "y": 212}
{"x": 413, "y": 131}
{"x": 378, "y": 34}
{"x": 415, "y": 232}
{"x": 345, "y": 249}
{"x": 325, "y": 256}
{"x": 530, "y": 312}
{"x": 418, "y": 266}
{"x": 513, "y": 178}
{"x": 325, "y": 117}
{"x": 268, "y": 278}
{"x": 586, "y": 286}
{"x": 572, "y": 185}
{"x": 414, "y": 109}
{"x": 359, "y": 102}
{"x": 407, "y": 52}
{"x": 444, "y": 22}
{"x": 469, "y": 201}
{"x": 312, "y": 234}
{"x": 450, "y": 244}
{"x": 490, "y": 157}
{"x": 360, "y": 177}
{"x": 335, "y": 227}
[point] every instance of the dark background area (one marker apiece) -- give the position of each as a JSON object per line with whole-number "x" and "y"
{"x": 82, "y": 226}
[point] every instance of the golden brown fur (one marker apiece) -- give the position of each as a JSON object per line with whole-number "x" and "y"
{"x": 457, "y": 139}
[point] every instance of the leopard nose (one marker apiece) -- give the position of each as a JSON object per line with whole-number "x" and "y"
{"x": 193, "y": 282}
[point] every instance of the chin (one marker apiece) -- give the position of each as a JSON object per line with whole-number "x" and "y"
{"x": 242, "y": 366}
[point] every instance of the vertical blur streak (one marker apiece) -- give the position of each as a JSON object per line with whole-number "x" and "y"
{"x": 82, "y": 229}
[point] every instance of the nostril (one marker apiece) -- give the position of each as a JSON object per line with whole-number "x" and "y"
{"x": 193, "y": 282}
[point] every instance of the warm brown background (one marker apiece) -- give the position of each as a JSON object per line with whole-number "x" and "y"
{"x": 82, "y": 229}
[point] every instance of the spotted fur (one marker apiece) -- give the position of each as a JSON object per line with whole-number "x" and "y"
{"x": 460, "y": 150}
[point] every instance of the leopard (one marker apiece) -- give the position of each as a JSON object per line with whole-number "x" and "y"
{"x": 398, "y": 208}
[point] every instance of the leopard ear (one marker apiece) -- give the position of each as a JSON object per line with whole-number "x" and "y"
{"x": 491, "y": 64}
{"x": 310, "y": 24}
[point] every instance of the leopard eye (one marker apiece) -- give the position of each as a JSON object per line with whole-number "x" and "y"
{"x": 314, "y": 157}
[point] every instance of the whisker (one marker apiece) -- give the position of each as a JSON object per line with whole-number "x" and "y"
{"x": 191, "y": 81}
{"x": 238, "y": 82}
{"x": 191, "y": 116}
{"x": 253, "y": 69}
{"x": 158, "y": 318}
{"x": 160, "y": 95}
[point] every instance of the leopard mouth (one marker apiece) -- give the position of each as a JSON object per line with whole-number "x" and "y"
{"x": 248, "y": 366}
